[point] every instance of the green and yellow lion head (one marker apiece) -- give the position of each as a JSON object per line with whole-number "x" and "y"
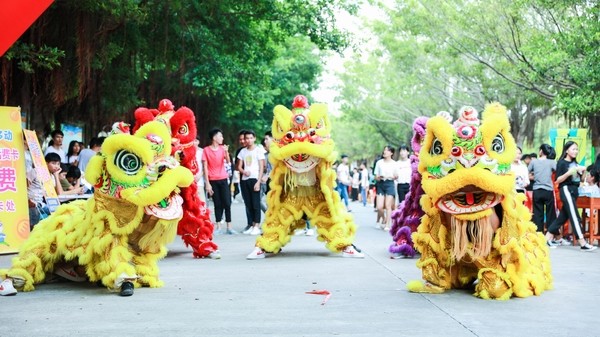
{"x": 466, "y": 165}
{"x": 139, "y": 168}
{"x": 466, "y": 174}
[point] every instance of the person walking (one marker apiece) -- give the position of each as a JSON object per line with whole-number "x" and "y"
{"x": 216, "y": 182}
{"x": 404, "y": 173}
{"x": 355, "y": 184}
{"x": 568, "y": 177}
{"x": 364, "y": 182}
{"x": 543, "y": 188}
{"x": 235, "y": 175}
{"x": 386, "y": 171}
{"x": 266, "y": 179}
{"x": 344, "y": 180}
{"x": 251, "y": 165}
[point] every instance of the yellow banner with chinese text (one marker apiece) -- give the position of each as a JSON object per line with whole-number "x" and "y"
{"x": 39, "y": 163}
{"x": 14, "y": 208}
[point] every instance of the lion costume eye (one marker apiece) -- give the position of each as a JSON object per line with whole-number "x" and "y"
{"x": 183, "y": 130}
{"x": 436, "y": 148}
{"x": 498, "y": 144}
{"x": 128, "y": 162}
{"x": 320, "y": 124}
{"x": 456, "y": 151}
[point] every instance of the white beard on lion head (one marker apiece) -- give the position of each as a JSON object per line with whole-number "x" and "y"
{"x": 472, "y": 237}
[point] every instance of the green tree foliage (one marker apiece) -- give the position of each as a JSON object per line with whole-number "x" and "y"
{"x": 537, "y": 57}
{"x": 224, "y": 59}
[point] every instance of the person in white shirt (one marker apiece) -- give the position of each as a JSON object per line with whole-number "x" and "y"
{"x": 404, "y": 173}
{"x": 251, "y": 166}
{"x": 355, "y": 184}
{"x": 56, "y": 146}
{"x": 521, "y": 172}
{"x": 386, "y": 171}
{"x": 343, "y": 179}
{"x": 364, "y": 183}
{"x": 590, "y": 187}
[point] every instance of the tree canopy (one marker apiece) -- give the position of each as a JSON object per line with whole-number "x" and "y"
{"x": 229, "y": 61}
{"x": 537, "y": 57}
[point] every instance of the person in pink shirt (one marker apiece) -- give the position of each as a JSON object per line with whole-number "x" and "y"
{"x": 214, "y": 158}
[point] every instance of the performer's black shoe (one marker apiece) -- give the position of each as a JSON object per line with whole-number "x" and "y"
{"x": 126, "y": 289}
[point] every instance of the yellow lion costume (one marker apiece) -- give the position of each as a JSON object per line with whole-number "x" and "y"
{"x": 303, "y": 182}
{"x": 476, "y": 228}
{"x": 119, "y": 234}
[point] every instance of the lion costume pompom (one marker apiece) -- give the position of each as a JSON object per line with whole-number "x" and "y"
{"x": 303, "y": 182}
{"x": 119, "y": 234}
{"x": 475, "y": 227}
{"x": 195, "y": 228}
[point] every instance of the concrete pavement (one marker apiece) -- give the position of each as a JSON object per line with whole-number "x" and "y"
{"x": 237, "y": 297}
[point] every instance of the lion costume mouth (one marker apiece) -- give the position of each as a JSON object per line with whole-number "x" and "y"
{"x": 301, "y": 163}
{"x": 469, "y": 199}
{"x": 168, "y": 208}
{"x": 471, "y": 226}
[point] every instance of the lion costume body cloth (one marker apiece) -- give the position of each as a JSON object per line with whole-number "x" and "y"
{"x": 195, "y": 228}
{"x": 407, "y": 216}
{"x": 303, "y": 181}
{"x": 121, "y": 232}
{"x": 475, "y": 226}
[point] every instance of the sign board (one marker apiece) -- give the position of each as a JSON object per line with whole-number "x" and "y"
{"x": 14, "y": 208}
{"x": 558, "y": 137}
{"x": 37, "y": 156}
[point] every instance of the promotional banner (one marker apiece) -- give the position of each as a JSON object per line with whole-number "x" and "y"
{"x": 14, "y": 208}
{"x": 39, "y": 163}
{"x": 558, "y": 137}
{"x": 71, "y": 132}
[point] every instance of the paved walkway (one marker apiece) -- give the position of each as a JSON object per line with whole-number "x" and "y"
{"x": 237, "y": 297}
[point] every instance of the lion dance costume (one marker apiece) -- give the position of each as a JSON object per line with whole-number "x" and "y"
{"x": 407, "y": 215}
{"x": 475, "y": 226}
{"x": 195, "y": 228}
{"x": 118, "y": 235}
{"x": 303, "y": 182}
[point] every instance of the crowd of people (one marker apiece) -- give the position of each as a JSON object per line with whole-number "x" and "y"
{"x": 66, "y": 171}
{"x": 541, "y": 177}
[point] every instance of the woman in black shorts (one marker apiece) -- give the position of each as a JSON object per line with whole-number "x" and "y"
{"x": 386, "y": 171}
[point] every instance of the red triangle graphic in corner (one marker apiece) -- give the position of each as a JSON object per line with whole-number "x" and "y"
{"x": 16, "y": 16}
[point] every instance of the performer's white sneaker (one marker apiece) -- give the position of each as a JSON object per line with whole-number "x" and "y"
{"x": 215, "y": 255}
{"x": 255, "y": 231}
{"x": 350, "y": 251}
{"x": 7, "y": 288}
{"x": 257, "y": 253}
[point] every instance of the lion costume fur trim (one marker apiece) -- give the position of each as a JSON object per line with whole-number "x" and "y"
{"x": 111, "y": 235}
{"x": 515, "y": 260}
{"x": 294, "y": 195}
